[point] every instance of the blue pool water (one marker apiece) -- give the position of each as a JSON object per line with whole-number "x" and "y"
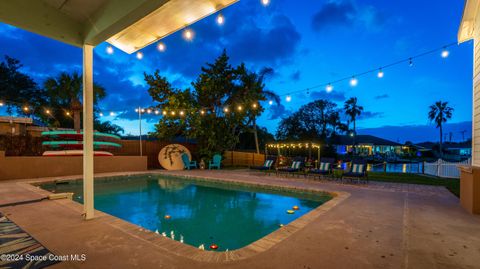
{"x": 200, "y": 212}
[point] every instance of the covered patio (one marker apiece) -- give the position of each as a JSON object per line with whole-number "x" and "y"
{"x": 127, "y": 25}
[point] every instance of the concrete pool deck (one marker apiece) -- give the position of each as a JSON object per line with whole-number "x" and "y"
{"x": 381, "y": 225}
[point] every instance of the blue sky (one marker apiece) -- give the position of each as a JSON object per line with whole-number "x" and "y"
{"x": 307, "y": 43}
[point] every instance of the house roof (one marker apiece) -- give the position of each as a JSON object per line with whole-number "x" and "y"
{"x": 467, "y": 24}
{"x": 128, "y": 25}
{"x": 363, "y": 139}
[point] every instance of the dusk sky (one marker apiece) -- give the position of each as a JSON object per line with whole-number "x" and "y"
{"x": 307, "y": 43}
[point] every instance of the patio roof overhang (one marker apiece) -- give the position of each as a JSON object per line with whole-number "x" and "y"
{"x": 467, "y": 25}
{"x": 128, "y": 25}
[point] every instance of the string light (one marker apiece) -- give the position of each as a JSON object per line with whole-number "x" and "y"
{"x": 112, "y": 113}
{"x": 1, "y": 103}
{"x": 445, "y": 53}
{"x": 164, "y": 113}
{"x": 173, "y": 113}
{"x": 101, "y": 114}
{"x": 202, "y": 112}
{"x": 67, "y": 113}
{"x": 139, "y": 55}
{"x": 225, "y": 110}
{"x": 220, "y": 19}
{"x": 47, "y": 112}
{"x": 142, "y": 110}
{"x": 157, "y": 112}
{"x": 288, "y": 98}
{"x": 380, "y": 73}
{"x": 149, "y": 111}
{"x": 329, "y": 88}
{"x": 239, "y": 108}
{"x": 161, "y": 47}
{"x": 265, "y": 2}
{"x": 181, "y": 113}
{"x": 188, "y": 34}
{"x": 136, "y": 110}
{"x": 25, "y": 108}
{"x": 270, "y": 102}
{"x": 353, "y": 81}
{"x": 410, "y": 62}
{"x": 109, "y": 50}
{"x": 254, "y": 106}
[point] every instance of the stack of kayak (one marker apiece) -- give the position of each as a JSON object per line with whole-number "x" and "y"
{"x": 70, "y": 143}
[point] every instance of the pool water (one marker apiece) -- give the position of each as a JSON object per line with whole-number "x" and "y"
{"x": 200, "y": 213}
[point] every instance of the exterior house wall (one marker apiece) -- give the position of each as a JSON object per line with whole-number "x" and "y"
{"x": 476, "y": 95}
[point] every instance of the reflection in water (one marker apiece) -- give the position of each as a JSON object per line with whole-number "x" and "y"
{"x": 200, "y": 213}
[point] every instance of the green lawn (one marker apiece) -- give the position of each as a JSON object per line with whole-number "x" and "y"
{"x": 452, "y": 184}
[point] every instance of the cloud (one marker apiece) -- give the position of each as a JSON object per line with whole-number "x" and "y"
{"x": 278, "y": 111}
{"x": 347, "y": 13}
{"x": 382, "y": 96}
{"x": 334, "y": 96}
{"x": 369, "y": 115}
{"x": 295, "y": 76}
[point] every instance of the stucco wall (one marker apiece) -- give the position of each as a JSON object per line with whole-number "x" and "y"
{"x": 36, "y": 167}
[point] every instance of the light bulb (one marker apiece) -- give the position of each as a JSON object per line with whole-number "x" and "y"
{"x": 161, "y": 47}
{"x": 164, "y": 112}
{"x": 157, "y": 112}
{"x": 270, "y": 102}
{"x": 329, "y": 88}
{"x": 220, "y": 19}
{"x": 188, "y": 34}
{"x": 47, "y": 111}
{"x": 353, "y": 82}
{"x": 139, "y": 55}
{"x": 181, "y": 113}
{"x": 100, "y": 114}
{"x": 445, "y": 53}
{"x": 109, "y": 50}
{"x": 149, "y": 111}
{"x": 380, "y": 73}
{"x": 239, "y": 108}
{"x": 254, "y": 105}
{"x": 112, "y": 113}
{"x": 265, "y": 2}
{"x": 288, "y": 98}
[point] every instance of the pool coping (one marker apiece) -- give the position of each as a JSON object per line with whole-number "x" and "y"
{"x": 191, "y": 252}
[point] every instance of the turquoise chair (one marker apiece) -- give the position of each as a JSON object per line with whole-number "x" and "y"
{"x": 187, "y": 163}
{"x": 215, "y": 163}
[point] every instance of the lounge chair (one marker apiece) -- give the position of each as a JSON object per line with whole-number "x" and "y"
{"x": 269, "y": 162}
{"x": 297, "y": 166}
{"x": 324, "y": 168}
{"x": 187, "y": 163}
{"x": 358, "y": 170}
{"x": 215, "y": 162}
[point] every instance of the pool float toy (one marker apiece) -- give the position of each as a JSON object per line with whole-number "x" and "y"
{"x": 290, "y": 211}
{"x": 70, "y": 143}
{"x": 295, "y": 207}
{"x": 168, "y": 217}
{"x": 77, "y": 135}
{"x": 213, "y": 246}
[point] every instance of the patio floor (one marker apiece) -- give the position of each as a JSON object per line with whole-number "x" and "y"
{"x": 382, "y": 225}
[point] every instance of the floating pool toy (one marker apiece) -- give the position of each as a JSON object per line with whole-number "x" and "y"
{"x": 78, "y": 135}
{"x": 168, "y": 217}
{"x": 295, "y": 207}
{"x": 290, "y": 211}
{"x": 213, "y": 246}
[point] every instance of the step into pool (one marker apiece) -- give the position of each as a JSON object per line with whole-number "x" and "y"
{"x": 197, "y": 212}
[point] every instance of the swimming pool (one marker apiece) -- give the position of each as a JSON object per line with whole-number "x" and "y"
{"x": 196, "y": 212}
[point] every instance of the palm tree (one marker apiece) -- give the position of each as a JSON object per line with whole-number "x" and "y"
{"x": 255, "y": 81}
{"x": 353, "y": 110}
{"x": 439, "y": 113}
{"x": 336, "y": 123}
{"x": 65, "y": 91}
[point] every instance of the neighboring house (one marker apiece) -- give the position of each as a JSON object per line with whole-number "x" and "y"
{"x": 10, "y": 125}
{"x": 367, "y": 145}
{"x": 452, "y": 148}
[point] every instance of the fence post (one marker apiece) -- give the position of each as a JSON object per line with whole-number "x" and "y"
{"x": 423, "y": 167}
{"x": 439, "y": 162}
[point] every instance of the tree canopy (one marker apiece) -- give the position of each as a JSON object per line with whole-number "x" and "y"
{"x": 222, "y": 103}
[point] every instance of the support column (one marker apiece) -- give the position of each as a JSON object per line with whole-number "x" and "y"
{"x": 88, "y": 132}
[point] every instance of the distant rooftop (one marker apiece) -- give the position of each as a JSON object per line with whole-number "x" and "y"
{"x": 363, "y": 139}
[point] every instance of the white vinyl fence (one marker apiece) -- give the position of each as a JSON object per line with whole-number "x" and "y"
{"x": 442, "y": 168}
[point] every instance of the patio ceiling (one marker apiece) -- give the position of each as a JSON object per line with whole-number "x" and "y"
{"x": 126, "y": 24}
{"x": 467, "y": 25}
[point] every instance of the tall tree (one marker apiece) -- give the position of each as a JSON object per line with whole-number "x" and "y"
{"x": 65, "y": 92}
{"x": 255, "y": 82}
{"x": 222, "y": 104}
{"x": 353, "y": 110}
{"x": 439, "y": 113}
{"x": 18, "y": 90}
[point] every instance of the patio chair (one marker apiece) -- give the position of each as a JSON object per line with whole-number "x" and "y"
{"x": 297, "y": 166}
{"x": 324, "y": 168}
{"x": 215, "y": 162}
{"x": 358, "y": 170}
{"x": 269, "y": 162}
{"x": 187, "y": 163}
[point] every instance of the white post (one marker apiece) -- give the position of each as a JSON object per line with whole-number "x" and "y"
{"x": 140, "y": 129}
{"x": 88, "y": 132}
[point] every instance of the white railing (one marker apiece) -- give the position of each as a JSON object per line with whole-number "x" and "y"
{"x": 442, "y": 168}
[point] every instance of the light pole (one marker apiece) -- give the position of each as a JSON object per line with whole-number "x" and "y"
{"x": 140, "y": 110}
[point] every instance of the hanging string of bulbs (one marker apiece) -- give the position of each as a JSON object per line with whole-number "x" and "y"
{"x": 353, "y": 79}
